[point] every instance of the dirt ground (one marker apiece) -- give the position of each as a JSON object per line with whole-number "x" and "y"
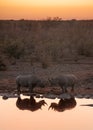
{"x": 83, "y": 69}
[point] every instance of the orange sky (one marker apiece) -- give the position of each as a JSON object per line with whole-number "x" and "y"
{"x": 41, "y": 9}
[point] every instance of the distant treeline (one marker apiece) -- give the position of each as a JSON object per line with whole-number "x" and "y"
{"x": 46, "y": 40}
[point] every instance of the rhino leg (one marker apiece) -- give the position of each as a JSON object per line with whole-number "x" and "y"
{"x": 72, "y": 89}
{"x": 64, "y": 90}
{"x": 18, "y": 89}
{"x": 30, "y": 89}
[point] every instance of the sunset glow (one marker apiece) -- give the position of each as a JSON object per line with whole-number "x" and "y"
{"x": 78, "y": 118}
{"x": 40, "y": 9}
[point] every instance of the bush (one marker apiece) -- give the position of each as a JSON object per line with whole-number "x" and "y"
{"x": 45, "y": 63}
{"x": 85, "y": 49}
{"x": 13, "y": 50}
{"x": 2, "y": 65}
{"x": 46, "y": 41}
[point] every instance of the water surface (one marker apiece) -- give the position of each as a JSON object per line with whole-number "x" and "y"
{"x": 77, "y": 117}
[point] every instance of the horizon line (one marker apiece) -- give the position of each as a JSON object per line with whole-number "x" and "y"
{"x": 47, "y": 19}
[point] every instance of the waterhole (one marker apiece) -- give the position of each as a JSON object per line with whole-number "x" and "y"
{"x": 31, "y": 113}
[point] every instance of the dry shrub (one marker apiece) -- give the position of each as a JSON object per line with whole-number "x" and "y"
{"x": 13, "y": 50}
{"x": 3, "y": 66}
{"x": 46, "y": 41}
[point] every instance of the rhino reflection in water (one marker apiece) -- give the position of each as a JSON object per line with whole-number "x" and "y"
{"x": 63, "y": 104}
{"x": 29, "y": 104}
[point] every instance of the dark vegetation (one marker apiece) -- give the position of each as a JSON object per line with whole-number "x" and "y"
{"x": 45, "y": 41}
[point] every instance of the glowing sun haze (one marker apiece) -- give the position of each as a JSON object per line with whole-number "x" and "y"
{"x": 40, "y": 9}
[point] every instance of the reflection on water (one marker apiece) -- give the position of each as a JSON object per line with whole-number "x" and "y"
{"x": 29, "y": 104}
{"x": 90, "y": 105}
{"x": 58, "y": 114}
{"x": 32, "y": 105}
{"x": 63, "y": 104}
